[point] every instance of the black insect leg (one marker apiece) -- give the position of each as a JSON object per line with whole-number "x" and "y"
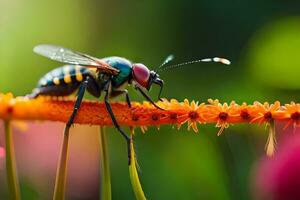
{"x": 60, "y": 181}
{"x": 148, "y": 98}
{"x": 116, "y": 92}
{"x": 80, "y": 95}
{"x": 113, "y": 118}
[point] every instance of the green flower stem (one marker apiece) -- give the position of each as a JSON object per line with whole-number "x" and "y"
{"x": 11, "y": 169}
{"x": 105, "y": 183}
{"x": 61, "y": 173}
{"x": 134, "y": 177}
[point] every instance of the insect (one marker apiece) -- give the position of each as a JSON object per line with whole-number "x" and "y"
{"x": 109, "y": 75}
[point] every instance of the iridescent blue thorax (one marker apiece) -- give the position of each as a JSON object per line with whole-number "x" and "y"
{"x": 124, "y": 66}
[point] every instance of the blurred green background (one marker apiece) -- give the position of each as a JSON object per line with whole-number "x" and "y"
{"x": 261, "y": 38}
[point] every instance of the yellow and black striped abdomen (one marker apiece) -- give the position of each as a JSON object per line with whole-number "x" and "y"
{"x": 64, "y": 81}
{"x": 66, "y": 75}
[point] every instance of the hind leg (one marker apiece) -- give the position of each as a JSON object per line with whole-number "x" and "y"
{"x": 114, "y": 120}
{"x": 60, "y": 181}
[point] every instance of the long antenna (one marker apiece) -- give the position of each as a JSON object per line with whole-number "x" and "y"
{"x": 215, "y": 59}
{"x": 166, "y": 61}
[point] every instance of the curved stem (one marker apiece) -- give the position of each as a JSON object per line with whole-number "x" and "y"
{"x": 134, "y": 177}
{"x": 11, "y": 169}
{"x": 105, "y": 183}
{"x": 61, "y": 173}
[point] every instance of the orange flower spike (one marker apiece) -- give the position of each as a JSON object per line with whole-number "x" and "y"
{"x": 145, "y": 114}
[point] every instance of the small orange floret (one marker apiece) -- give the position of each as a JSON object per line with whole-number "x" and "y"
{"x": 222, "y": 114}
{"x": 265, "y": 112}
{"x": 291, "y": 112}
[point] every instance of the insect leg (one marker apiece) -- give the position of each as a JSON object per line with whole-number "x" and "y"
{"x": 113, "y": 118}
{"x": 61, "y": 170}
{"x": 116, "y": 92}
{"x": 148, "y": 98}
{"x": 80, "y": 95}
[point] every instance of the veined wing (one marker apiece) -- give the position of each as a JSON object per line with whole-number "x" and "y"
{"x": 65, "y": 55}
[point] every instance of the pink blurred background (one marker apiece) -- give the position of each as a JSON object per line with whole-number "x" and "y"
{"x": 37, "y": 152}
{"x": 278, "y": 177}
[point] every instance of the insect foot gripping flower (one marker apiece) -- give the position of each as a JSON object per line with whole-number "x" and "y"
{"x": 145, "y": 114}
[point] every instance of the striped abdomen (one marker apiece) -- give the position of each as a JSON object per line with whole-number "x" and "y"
{"x": 68, "y": 74}
{"x": 64, "y": 80}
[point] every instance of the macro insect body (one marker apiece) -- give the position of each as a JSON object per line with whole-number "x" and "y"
{"x": 109, "y": 75}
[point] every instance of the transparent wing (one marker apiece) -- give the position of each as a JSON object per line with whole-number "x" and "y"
{"x": 65, "y": 55}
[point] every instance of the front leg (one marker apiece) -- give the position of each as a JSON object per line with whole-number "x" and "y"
{"x": 113, "y": 118}
{"x": 116, "y": 92}
{"x": 147, "y": 97}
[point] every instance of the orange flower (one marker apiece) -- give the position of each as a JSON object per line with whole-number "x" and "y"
{"x": 219, "y": 113}
{"x": 192, "y": 114}
{"x": 292, "y": 113}
{"x": 264, "y": 112}
{"x": 240, "y": 113}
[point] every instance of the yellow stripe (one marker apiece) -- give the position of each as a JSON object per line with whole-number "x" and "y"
{"x": 56, "y": 81}
{"x": 78, "y": 74}
{"x": 67, "y": 78}
{"x": 79, "y": 77}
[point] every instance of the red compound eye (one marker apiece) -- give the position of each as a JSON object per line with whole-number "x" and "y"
{"x": 141, "y": 74}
